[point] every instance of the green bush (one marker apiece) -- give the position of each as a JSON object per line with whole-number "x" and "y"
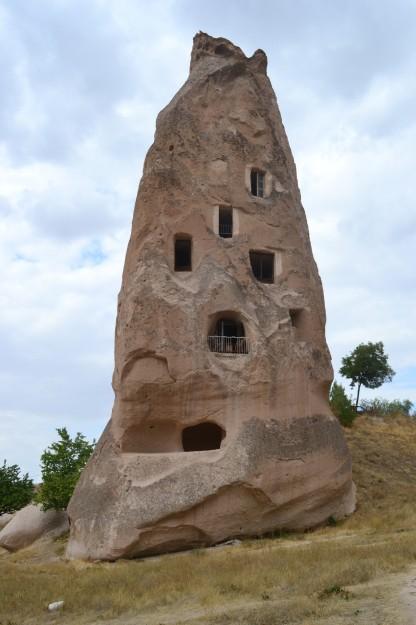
{"x": 61, "y": 465}
{"x": 385, "y": 408}
{"x": 15, "y": 491}
{"x": 341, "y": 405}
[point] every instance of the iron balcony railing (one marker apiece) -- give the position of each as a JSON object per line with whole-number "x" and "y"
{"x": 228, "y": 344}
{"x": 225, "y": 230}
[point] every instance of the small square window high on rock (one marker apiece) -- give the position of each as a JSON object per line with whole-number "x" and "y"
{"x": 257, "y": 182}
{"x": 262, "y": 264}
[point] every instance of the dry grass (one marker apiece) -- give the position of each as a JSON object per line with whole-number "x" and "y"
{"x": 310, "y": 576}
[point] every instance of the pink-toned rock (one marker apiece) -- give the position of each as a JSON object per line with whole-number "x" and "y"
{"x": 4, "y": 519}
{"x": 221, "y": 425}
{"x": 31, "y": 523}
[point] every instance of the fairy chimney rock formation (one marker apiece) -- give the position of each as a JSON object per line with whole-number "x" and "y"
{"x": 221, "y": 425}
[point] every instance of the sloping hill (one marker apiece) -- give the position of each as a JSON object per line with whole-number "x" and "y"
{"x": 384, "y": 468}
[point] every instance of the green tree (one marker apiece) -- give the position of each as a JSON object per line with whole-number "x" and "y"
{"x": 341, "y": 405}
{"x": 15, "y": 491}
{"x": 368, "y": 366}
{"x": 61, "y": 465}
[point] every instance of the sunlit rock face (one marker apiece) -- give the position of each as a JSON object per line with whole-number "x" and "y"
{"x": 221, "y": 425}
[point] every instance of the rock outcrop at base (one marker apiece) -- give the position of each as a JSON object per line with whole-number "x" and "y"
{"x": 221, "y": 425}
{"x": 31, "y": 523}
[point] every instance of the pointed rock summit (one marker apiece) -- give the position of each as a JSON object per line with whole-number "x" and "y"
{"x": 221, "y": 425}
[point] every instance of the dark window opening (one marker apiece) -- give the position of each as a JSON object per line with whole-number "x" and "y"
{"x": 183, "y": 254}
{"x": 295, "y": 316}
{"x": 229, "y": 327}
{"x": 262, "y": 264}
{"x": 225, "y": 222}
{"x": 228, "y": 337}
{"x": 300, "y": 323}
{"x": 202, "y": 437}
{"x": 257, "y": 182}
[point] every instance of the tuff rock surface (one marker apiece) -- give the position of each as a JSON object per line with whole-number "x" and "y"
{"x": 282, "y": 461}
{"x": 31, "y": 523}
{"x": 4, "y": 519}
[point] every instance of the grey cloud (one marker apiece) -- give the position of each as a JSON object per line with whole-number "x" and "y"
{"x": 85, "y": 213}
{"x": 68, "y": 72}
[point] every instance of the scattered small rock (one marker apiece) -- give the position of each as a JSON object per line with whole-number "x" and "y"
{"x": 228, "y": 543}
{"x": 55, "y": 605}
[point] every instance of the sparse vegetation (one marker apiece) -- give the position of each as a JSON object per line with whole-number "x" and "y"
{"x": 341, "y": 405}
{"x": 261, "y": 571}
{"x": 335, "y": 591}
{"x": 61, "y": 465}
{"x": 290, "y": 579}
{"x": 384, "y": 408}
{"x": 16, "y": 491}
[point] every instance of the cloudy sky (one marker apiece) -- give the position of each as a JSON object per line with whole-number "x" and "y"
{"x": 81, "y": 84}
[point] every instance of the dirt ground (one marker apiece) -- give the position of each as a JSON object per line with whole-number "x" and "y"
{"x": 390, "y": 601}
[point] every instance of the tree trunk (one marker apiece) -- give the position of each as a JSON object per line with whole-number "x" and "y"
{"x": 358, "y": 396}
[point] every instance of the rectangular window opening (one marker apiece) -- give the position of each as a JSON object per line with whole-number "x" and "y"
{"x": 225, "y": 222}
{"x": 183, "y": 255}
{"x": 295, "y": 316}
{"x": 257, "y": 183}
{"x": 262, "y": 264}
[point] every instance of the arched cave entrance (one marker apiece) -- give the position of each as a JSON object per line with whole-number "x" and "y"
{"x": 202, "y": 437}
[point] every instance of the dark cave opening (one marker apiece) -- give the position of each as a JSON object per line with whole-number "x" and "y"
{"x": 202, "y": 437}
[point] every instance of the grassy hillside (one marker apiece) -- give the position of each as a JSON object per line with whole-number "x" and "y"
{"x": 336, "y": 575}
{"x": 384, "y": 467}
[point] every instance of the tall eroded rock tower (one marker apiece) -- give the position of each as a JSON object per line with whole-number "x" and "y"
{"x": 221, "y": 425}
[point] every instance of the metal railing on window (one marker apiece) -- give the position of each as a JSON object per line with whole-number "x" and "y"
{"x": 228, "y": 344}
{"x": 225, "y": 230}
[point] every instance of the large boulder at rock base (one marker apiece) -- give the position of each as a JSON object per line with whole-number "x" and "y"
{"x": 31, "y": 523}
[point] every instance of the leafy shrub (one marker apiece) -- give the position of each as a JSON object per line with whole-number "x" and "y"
{"x": 15, "y": 491}
{"x": 341, "y": 405}
{"x": 61, "y": 465}
{"x": 385, "y": 408}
